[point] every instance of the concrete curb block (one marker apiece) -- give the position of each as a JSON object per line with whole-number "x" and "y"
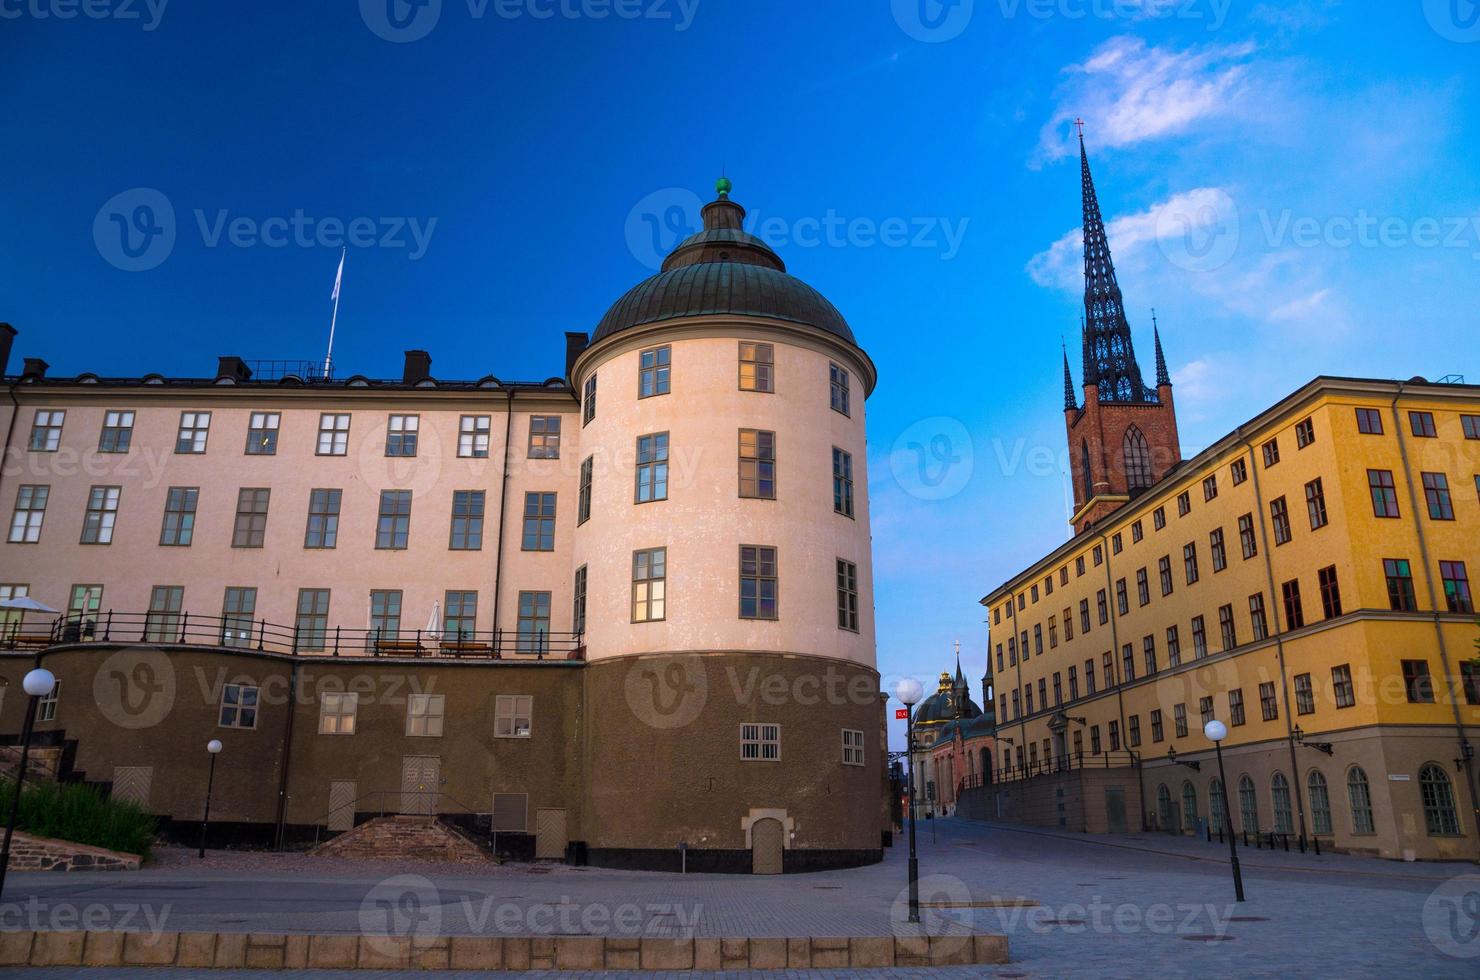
{"x": 261, "y": 951}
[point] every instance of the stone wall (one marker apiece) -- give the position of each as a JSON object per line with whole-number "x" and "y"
{"x": 1072, "y": 800}
{"x": 31, "y": 853}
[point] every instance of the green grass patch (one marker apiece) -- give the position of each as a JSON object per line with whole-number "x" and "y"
{"x": 80, "y": 814}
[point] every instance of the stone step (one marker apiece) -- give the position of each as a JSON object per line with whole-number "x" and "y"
{"x": 403, "y": 838}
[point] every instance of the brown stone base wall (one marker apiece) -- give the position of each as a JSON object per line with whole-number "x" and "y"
{"x": 1073, "y": 800}
{"x": 31, "y": 853}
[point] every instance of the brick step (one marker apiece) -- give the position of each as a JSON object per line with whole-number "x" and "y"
{"x": 403, "y": 838}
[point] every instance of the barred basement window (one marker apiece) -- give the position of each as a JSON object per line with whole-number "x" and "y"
{"x": 649, "y": 585}
{"x": 251, "y": 517}
{"x": 1305, "y": 695}
{"x": 852, "y": 747}
{"x": 238, "y": 706}
{"x": 337, "y": 710}
{"x": 760, "y": 742}
{"x": 758, "y": 582}
{"x": 1320, "y": 802}
{"x": 544, "y": 437}
{"x": 101, "y": 515}
{"x": 757, "y": 363}
{"x": 842, "y": 464}
{"x": 118, "y": 432}
{"x": 467, "y": 520}
{"x": 425, "y": 714}
{"x": 757, "y": 464}
{"x": 1305, "y": 433}
{"x": 46, "y": 431}
{"x": 401, "y": 435}
{"x": 652, "y": 468}
{"x": 583, "y": 496}
{"x": 195, "y": 427}
{"x": 588, "y": 401}
{"x": 323, "y": 519}
{"x": 1279, "y": 790}
{"x": 847, "y": 573}
{"x": 472, "y": 436}
{"x": 333, "y": 434}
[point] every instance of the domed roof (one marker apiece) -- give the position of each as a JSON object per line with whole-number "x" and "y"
{"x": 723, "y": 270}
{"x": 952, "y": 700}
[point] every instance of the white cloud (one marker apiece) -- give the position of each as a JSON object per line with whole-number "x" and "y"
{"x": 1300, "y": 308}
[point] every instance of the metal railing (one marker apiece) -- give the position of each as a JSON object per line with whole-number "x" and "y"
{"x": 305, "y": 638}
{"x": 1048, "y": 767}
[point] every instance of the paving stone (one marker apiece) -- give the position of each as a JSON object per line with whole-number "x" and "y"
{"x": 871, "y": 951}
{"x": 197, "y": 949}
{"x": 667, "y": 954}
{"x": 15, "y": 948}
{"x": 767, "y": 954}
{"x": 799, "y": 953}
{"x": 57, "y": 948}
{"x": 333, "y": 952}
{"x": 101, "y": 949}
{"x": 145, "y": 949}
{"x": 477, "y": 953}
{"x": 707, "y": 954}
{"x": 384, "y": 952}
{"x": 580, "y": 953}
{"x": 231, "y": 950}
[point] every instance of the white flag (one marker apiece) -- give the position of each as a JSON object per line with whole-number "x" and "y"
{"x": 338, "y": 276}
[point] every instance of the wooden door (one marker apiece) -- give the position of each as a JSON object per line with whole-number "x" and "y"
{"x": 766, "y": 846}
{"x": 549, "y": 833}
{"x": 420, "y": 776}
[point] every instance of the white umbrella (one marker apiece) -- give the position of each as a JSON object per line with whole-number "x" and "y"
{"x": 434, "y": 625}
{"x": 25, "y": 602}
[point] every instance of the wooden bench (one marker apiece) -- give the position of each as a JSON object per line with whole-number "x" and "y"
{"x": 405, "y": 647}
{"x": 28, "y": 641}
{"x": 464, "y": 648}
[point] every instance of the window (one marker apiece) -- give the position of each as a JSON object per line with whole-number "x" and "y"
{"x": 118, "y": 432}
{"x": 1439, "y": 814}
{"x": 1164, "y": 570}
{"x": 1084, "y": 615}
{"x": 238, "y": 606}
{"x": 1179, "y": 720}
{"x": 1099, "y": 555}
{"x": 758, "y": 464}
{"x": 1399, "y": 584}
{"x": 101, "y": 515}
{"x": 1115, "y": 736}
{"x": 333, "y": 434}
{"x": 652, "y": 468}
{"x": 1122, "y": 601}
{"x": 1248, "y": 804}
{"x": 544, "y": 437}
{"x": 1035, "y": 593}
{"x": 1469, "y": 675}
{"x": 853, "y": 747}
{"x": 1320, "y": 802}
{"x": 847, "y": 595}
{"x": 1038, "y": 638}
{"x": 1053, "y": 632}
{"x": 460, "y": 614}
{"x": 1305, "y": 433}
{"x": 534, "y": 621}
{"x": 583, "y": 496}
{"x": 337, "y": 712}
{"x": 1256, "y": 616}
{"x": 1079, "y": 565}
{"x": 539, "y": 522}
{"x": 1137, "y": 455}
{"x": 1137, "y": 533}
{"x": 162, "y": 624}
{"x": 394, "y": 525}
{"x": 843, "y": 485}
{"x": 1174, "y": 647}
{"x": 401, "y": 435}
{"x": 83, "y": 609}
{"x": 1189, "y": 805}
{"x": 1279, "y": 516}
{"x": 1305, "y": 695}
{"x": 385, "y": 614}
{"x": 1269, "y": 708}
{"x": 512, "y": 715}
{"x": 238, "y": 706}
{"x": 1068, "y": 625}
{"x": 472, "y": 436}
{"x": 1210, "y": 487}
{"x": 1199, "y": 638}
{"x": 1279, "y": 792}
{"x": 1158, "y": 730}
{"x": 1315, "y": 504}
{"x": 323, "y": 519}
{"x": 425, "y": 714}
{"x": 1104, "y": 607}
{"x": 1271, "y": 451}
{"x": 1148, "y": 650}
{"x": 653, "y": 368}
{"x": 1360, "y": 797}
{"x": 1189, "y": 561}
{"x": 578, "y": 603}
{"x": 1417, "y": 684}
{"x": 1422, "y": 424}
{"x": 1226, "y": 627}
{"x": 1058, "y": 688}
{"x": 312, "y": 622}
{"x": 467, "y": 520}
{"x": 1184, "y": 503}
{"x": 262, "y": 433}
{"x": 1436, "y": 494}
{"x": 588, "y": 401}
{"x": 1220, "y": 553}
{"x": 194, "y": 428}
{"x": 757, "y": 367}
{"x": 1143, "y": 587}
{"x": 1089, "y": 677}
{"x": 251, "y": 517}
{"x": 1218, "y": 806}
{"x": 1205, "y": 707}
{"x": 1238, "y": 471}
{"x": 1133, "y": 730}
{"x": 1471, "y": 426}
{"x": 1064, "y": 574}
{"x": 649, "y": 585}
{"x": 1456, "y": 587}
{"x": 1073, "y": 683}
{"x": 1384, "y": 494}
{"x": 1117, "y": 545}
{"x": 760, "y": 742}
{"x": 1246, "y": 539}
{"x": 1294, "y": 611}
{"x": 1369, "y": 421}
{"x": 1094, "y": 739}
{"x": 1107, "y": 666}
{"x": 1330, "y": 592}
{"x": 757, "y": 582}
{"x": 838, "y": 383}
{"x": 46, "y": 430}
{"x": 1341, "y": 686}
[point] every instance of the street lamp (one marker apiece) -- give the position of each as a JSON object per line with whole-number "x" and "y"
{"x": 213, "y": 747}
{"x": 1216, "y": 732}
{"x": 1172, "y": 758}
{"x": 37, "y": 683}
{"x": 909, "y": 691}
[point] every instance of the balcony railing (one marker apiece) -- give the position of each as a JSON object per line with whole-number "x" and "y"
{"x": 311, "y": 637}
{"x": 1066, "y": 763}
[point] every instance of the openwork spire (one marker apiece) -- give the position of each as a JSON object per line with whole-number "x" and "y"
{"x": 1109, "y": 358}
{"x": 1162, "y": 377}
{"x": 1070, "y": 402}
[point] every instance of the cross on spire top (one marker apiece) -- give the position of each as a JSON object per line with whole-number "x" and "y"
{"x": 1079, "y": 125}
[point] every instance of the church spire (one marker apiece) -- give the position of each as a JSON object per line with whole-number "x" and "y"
{"x": 1070, "y": 402}
{"x": 1162, "y": 377}
{"x": 1109, "y": 358}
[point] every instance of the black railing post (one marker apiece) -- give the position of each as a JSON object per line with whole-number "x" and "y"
{"x": 107, "y": 625}
{"x": 261, "y": 634}
{"x": 336, "y": 640}
{"x": 1317, "y": 842}
{"x": 184, "y": 627}
{"x": 295, "y": 638}
{"x": 418, "y": 643}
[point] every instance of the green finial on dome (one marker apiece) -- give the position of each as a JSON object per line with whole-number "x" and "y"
{"x": 723, "y": 186}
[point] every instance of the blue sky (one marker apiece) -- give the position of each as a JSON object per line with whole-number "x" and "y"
{"x": 1292, "y": 186}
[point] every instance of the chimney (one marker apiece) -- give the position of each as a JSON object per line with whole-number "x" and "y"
{"x": 575, "y": 342}
{"x": 232, "y": 368}
{"x": 7, "y": 337}
{"x": 418, "y": 367}
{"x": 34, "y": 367}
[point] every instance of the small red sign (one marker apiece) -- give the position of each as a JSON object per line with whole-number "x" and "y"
{"x": 900, "y": 714}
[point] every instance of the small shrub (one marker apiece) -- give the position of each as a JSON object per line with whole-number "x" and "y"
{"x": 80, "y": 814}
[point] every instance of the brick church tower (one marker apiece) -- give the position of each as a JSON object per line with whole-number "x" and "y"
{"x": 1124, "y": 437}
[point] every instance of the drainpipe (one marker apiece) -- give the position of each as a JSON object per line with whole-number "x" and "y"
{"x": 282, "y": 807}
{"x": 15, "y": 412}
{"x": 503, "y": 499}
{"x": 1428, "y": 576}
{"x": 1276, "y": 604}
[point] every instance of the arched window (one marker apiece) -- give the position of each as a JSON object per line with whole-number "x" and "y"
{"x": 1320, "y": 803}
{"x": 1165, "y": 813}
{"x": 1438, "y": 801}
{"x": 1217, "y": 805}
{"x": 1089, "y": 478}
{"x": 1361, "y": 800}
{"x": 1279, "y": 790}
{"x": 1189, "y": 805}
{"x": 1248, "y": 804}
{"x": 1137, "y": 457}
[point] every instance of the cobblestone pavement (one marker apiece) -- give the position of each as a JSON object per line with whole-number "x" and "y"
{"x": 1124, "y": 906}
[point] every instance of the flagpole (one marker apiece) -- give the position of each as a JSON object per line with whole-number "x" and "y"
{"x": 334, "y": 318}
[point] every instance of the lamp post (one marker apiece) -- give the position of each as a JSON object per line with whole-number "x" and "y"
{"x": 1216, "y": 732}
{"x": 213, "y": 748}
{"x": 36, "y": 683}
{"x": 909, "y": 692}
